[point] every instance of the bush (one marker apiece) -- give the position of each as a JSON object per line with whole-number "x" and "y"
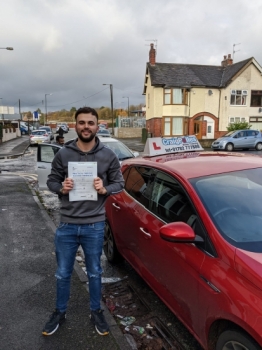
{"x": 238, "y": 126}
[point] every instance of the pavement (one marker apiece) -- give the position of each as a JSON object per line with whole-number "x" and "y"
{"x": 27, "y": 268}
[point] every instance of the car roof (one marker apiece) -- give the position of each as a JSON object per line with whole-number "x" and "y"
{"x": 197, "y": 164}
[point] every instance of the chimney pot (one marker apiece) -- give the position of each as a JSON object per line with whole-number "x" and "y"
{"x": 229, "y": 55}
{"x": 152, "y": 55}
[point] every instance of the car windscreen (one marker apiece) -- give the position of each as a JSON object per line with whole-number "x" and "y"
{"x": 45, "y": 128}
{"x": 233, "y": 201}
{"x": 120, "y": 150}
{"x": 38, "y": 132}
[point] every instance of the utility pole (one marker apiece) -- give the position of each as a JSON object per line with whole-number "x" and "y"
{"x": 19, "y": 104}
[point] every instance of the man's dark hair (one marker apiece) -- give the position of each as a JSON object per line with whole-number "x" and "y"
{"x": 86, "y": 110}
{"x": 59, "y": 137}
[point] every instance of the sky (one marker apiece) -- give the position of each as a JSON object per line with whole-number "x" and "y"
{"x": 69, "y": 48}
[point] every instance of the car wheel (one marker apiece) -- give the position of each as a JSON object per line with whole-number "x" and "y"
{"x": 234, "y": 339}
{"x": 110, "y": 249}
{"x": 23, "y": 132}
{"x": 229, "y": 147}
{"x": 259, "y": 146}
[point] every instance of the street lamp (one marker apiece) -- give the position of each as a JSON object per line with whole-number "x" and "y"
{"x": 46, "y": 108}
{"x": 127, "y": 105}
{"x": 7, "y": 48}
{"x": 1, "y": 105}
{"x": 112, "y": 107}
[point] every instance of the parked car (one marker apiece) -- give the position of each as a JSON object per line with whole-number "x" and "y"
{"x": 239, "y": 139}
{"x": 103, "y": 133}
{"x": 64, "y": 126}
{"x": 23, "y": 130}
{"x": 49, "y": 130}
{"x": 46, "y": 153}
{"x": 190, "y": 225}
{"x": 39, "y": 136}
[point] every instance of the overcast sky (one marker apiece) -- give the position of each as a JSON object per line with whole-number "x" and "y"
{"x": 70, "y": 48}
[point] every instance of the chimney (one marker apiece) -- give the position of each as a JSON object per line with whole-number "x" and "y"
{"x": 152, "y": 55}
{"x": 227, "y": 61}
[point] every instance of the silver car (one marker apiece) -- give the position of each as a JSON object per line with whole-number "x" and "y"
{"x": 239, "y": 139}
{"x": 38, "y": 136}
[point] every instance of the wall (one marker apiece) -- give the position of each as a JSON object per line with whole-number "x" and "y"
{"x": 123, "y": 133}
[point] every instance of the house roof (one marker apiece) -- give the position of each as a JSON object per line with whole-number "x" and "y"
{"x": 188, "y": 75}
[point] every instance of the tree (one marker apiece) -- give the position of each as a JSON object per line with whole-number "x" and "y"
{"x": 238, "y": 126}
{"x": 73, "y": 110}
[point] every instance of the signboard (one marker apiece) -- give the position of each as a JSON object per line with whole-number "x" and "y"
{"x": 7, "y": 110}
{"x": 166, "y": 145}
{"x": 35, "y": 115}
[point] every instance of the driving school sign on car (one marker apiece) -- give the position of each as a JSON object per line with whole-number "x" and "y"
{"x": 165, "y": 145}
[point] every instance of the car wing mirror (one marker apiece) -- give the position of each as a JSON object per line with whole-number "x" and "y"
{"x": 179, "y": 232}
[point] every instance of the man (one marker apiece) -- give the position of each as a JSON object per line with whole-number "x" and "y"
{"x": 61, "y": 131}
{"x": 82, "y": 222}
{"x": 59, "y": 140}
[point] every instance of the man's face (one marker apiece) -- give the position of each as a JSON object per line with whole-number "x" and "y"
{"x": 61, "y": 141}
{"x": 86, "y": 126}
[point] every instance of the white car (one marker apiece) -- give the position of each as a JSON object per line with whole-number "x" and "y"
{"x": 49, "y": 131}
{"x": 46, "y": 153}
{"x": 38, "y": 136}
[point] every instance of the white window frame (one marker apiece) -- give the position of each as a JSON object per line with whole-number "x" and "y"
{"x": 238, "y": 98}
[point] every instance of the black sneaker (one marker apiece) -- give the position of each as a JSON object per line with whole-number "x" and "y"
{"x": 98, "y": 319}
{"x": 52, "y": 325}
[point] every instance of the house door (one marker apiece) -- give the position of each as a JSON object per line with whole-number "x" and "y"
{"x": 198, "y": 129}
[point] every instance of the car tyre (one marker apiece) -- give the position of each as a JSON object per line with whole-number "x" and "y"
{"x": 229, "y": 147}
{"x": 111, "y": 252}
{"x": 23, "y": 132}
{"x": 259, "y": 146}
{"x": 234, "y": 339}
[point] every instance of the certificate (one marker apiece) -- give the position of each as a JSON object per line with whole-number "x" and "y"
{"x": 83, "y": 174}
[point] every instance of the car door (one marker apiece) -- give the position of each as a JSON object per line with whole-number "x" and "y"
{"x": 45, "y": 155}
{"x": 172, "y": 269}
{"x": 252, "y": 138}
{"x": 241, "y": 140}
{"x": 128, "y": 208}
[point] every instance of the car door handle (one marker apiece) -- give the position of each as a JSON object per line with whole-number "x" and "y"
{"x": 145, "y": 233}
{"x": 42, "y": 167}
{"x": 116, "y": 206}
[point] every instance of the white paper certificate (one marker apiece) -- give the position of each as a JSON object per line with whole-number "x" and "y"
{"x": 83, "y": 174}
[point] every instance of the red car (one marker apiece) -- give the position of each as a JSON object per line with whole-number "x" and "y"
{"x": 191, "y": 225}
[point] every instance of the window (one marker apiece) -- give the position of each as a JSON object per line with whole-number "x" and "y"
{"x": 173, "y": 126}
{"x": 256, "y": 98}
{"x": 175, "y": 96}
{"x": 238, "y": 97}
{"x": 237, "y": 120}
{"x": 138, "y": 183}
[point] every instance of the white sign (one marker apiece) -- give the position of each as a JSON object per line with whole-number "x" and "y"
{"x": 166, "y": 145}
{"x": 83, "y": 174}
{"x": 7, "y": 110}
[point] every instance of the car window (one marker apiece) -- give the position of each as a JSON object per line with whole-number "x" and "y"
{"x": 251, "y": 132}
{"x": 47, "y": 153}
{"x": 39, "y": 132}
{"x": 138, "y": 182}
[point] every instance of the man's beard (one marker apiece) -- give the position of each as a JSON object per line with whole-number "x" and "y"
{"x": 87, "y": 138}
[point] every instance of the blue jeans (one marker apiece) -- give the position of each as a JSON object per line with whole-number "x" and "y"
{"x": 67, "y": 240}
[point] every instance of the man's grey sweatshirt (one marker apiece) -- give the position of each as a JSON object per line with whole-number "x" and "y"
{"x": 108, "y": 169}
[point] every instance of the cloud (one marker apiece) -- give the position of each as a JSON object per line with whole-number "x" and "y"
{"x": 71, "y": 47}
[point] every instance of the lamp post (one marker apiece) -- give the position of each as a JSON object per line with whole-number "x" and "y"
{"x": 1, "y": 104}
{"x": 7, "y": 48}
{"x": 46, "y": 107}
{"x": 127, "y": 105}
{"x": 112, "y": 107}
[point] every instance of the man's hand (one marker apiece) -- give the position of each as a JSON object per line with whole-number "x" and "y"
{"x": 98, "y": 185}
{"x": 68, "y": 185}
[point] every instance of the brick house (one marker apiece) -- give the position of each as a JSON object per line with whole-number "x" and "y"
{"x": 187, "y": 99}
